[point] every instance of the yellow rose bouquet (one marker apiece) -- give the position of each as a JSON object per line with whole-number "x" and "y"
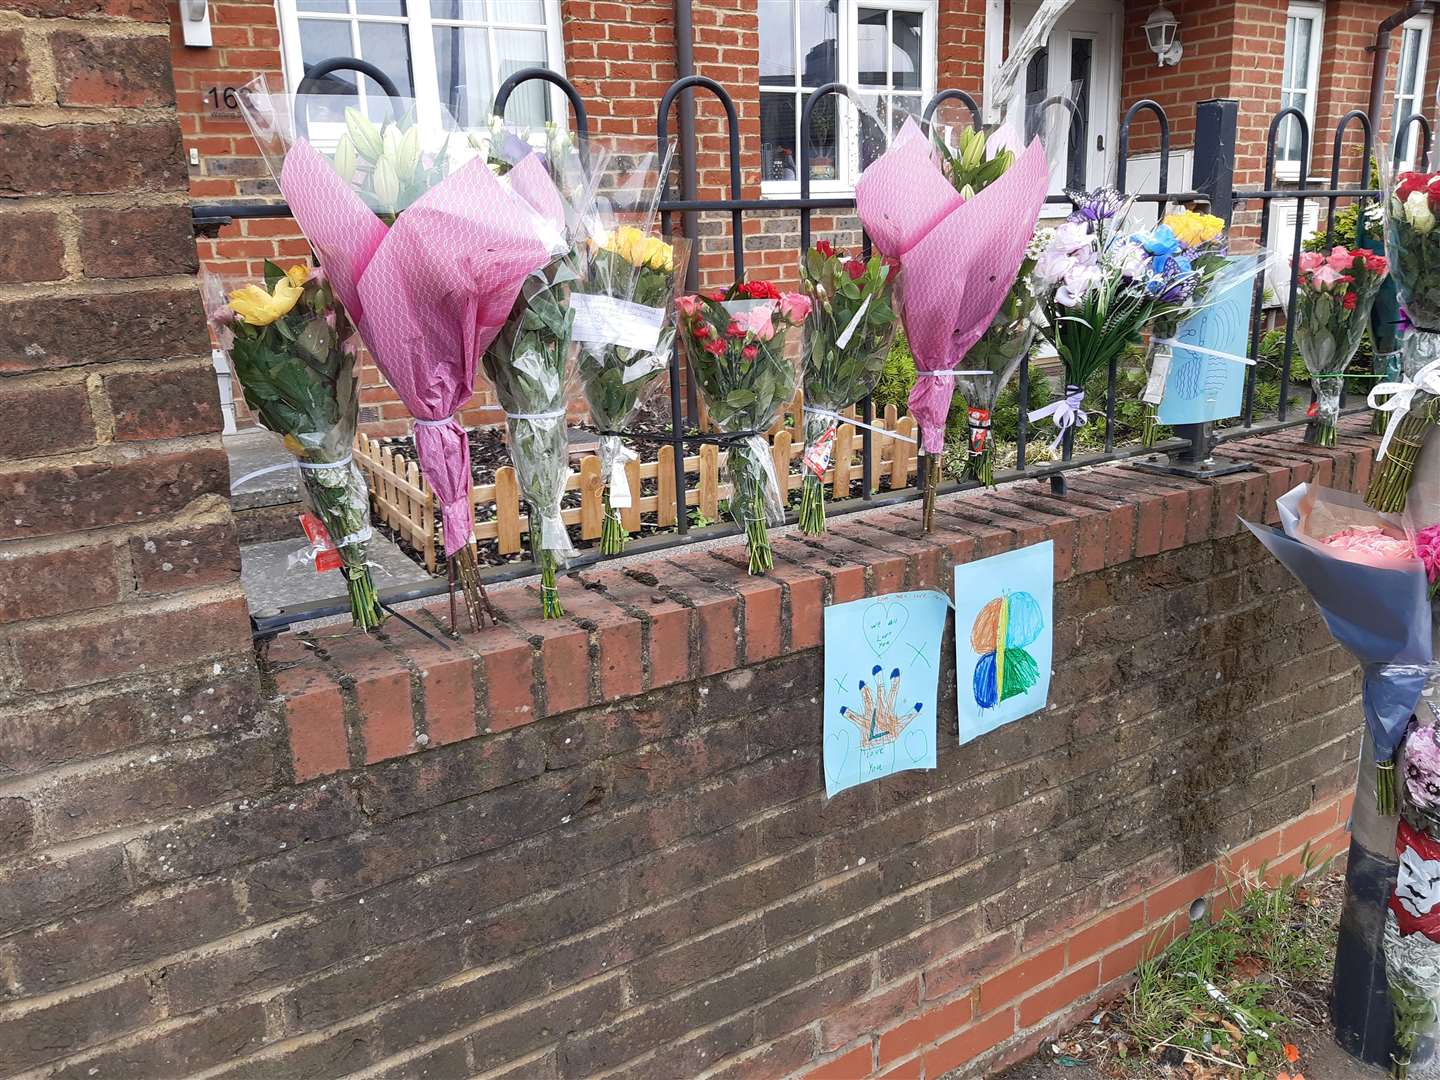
{"x": 292, "y": 348}
{"x": 624, "y": 314}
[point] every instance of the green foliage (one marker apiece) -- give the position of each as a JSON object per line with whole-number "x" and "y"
{"x": 897, "y": 377}
{"x": 1250, "y": 955}
{"x": 1343, "y": 229}
{"x": 968, "y": 166}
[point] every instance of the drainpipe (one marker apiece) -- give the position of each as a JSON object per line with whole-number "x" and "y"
{"x": 1381, "y": 53}
{"x": 685, "y": 65}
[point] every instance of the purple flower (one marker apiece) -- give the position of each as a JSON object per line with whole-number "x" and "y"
{"x": 1102, "y": 204}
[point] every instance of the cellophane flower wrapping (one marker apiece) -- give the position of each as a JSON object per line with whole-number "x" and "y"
{"x": 993, "y": 360}
{"x": 849, "y": 331}
{"x": 625, "y": 313}
{"x": 426, "y": 244}
{"x": 1367, "y": 575}
{"x": 1412, "y": 246}
{"x": 1197, "y": 241}
{"x": 528, "y": 363}
{"x": 735, "y": 350}
{"x": 291, "y": 346}
{"x": 1332, "y": 313}
{"x": 959, "y": 247}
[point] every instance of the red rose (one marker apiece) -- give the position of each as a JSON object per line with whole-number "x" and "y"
{"x": 824, "y": 248}
{"x": 750, "y": 352}
{"x": 715, "y": 346}
{"x": 718, "y": 295}
{"x": 701, "y": 329}
{"x": 855, "y": 268}
{"x": 735, "y": 329}
{"x": 1350, "y": 301}
{"x": 1409, "y": 182}
{"x": 759, "y": 290}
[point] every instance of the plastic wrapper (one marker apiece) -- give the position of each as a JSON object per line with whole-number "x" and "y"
{"x": 849, "y": 331}
{"x": 1412, "y": 246}
{"x": 624, "y": 310}
{"x": 1377, "y": 608}
{"x": 426, "y": 235}
{"x": 529, "y": 365}
{"x": 1332, "y": 313}
{"x": 958, "y": 255}
{"x": 735, "y": 348}
{"x": 291, "y": 346}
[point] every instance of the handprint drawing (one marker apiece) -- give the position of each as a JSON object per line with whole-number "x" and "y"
{"x": 878, "y": 722}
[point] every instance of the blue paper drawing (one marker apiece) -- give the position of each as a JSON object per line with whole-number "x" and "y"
{"x": 1004, "y": 637}
{"x": 1200, "y": 387}
{"x": 882, "y": 677}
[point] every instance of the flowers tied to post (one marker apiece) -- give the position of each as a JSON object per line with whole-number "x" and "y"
{"x": 291, "y": 345}
{"x": 1332, "y": 313}
{"x": 735, "y": 347}
{"x": 849, "y": 330}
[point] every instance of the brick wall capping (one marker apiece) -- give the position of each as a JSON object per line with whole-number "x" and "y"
{"x": 666, "y": 620}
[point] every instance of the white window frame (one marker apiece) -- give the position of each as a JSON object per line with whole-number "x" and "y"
{"x": 847, "y": 64}
{"x": 421, "y": 33}
{"x": 1405, "y": 103}
{"x": 1312, "y": 11}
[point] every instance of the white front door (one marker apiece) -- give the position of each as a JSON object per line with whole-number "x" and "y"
{"x": 1080, "y": 62}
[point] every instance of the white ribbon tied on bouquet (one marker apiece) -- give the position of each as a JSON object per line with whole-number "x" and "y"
{"x": 619, "y": 479}
{"x": 1396, "y": 398}
{"x": 1067, "y": 412}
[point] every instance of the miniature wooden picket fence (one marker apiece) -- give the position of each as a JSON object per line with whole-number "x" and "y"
{"x": 401, "y": 498}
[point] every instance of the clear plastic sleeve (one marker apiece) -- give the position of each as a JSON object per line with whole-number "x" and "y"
{"x": 849, "y": 330}
{"x": 528, "y": 363}
{"x": 735, "y": 350}
{"x": 624, "y": 308}
{"x": 1412, "y": 245}
{"x": 291, "y": 347}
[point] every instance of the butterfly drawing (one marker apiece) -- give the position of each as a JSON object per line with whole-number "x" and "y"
{"x": 1002, "y": 630}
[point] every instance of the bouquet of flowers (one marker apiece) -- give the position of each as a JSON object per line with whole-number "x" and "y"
{"x": 1109, "y": 286}
{"x": 1196, "y": 243}
{"x": 291, "y": 346}
{"x": 960, "y": 238}
{"x": 850, "y": 328}
{"x": 1369, "y": 580}
{"x": 1412, "y": 246}
{"x": 993, "y": 360}
{"x": 1412, "y": 915}
{"x": 1332, "y": 312}
{"x": 1387, "y": 324}
{"x": 528, "y": 363}
{"x": 426, "y": 247}
{"x": 735, "y": 348}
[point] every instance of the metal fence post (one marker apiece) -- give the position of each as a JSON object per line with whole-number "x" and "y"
{"x": 1216, "y": 125}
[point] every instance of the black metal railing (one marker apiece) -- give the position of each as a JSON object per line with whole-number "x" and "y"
{"x": 1213, "y": 178}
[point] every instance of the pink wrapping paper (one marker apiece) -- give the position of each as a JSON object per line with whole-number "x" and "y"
{"x": 958, "y": 257}
{"x": 429, "y": 293}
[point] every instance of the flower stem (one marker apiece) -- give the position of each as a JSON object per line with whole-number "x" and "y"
{"x": 980, "y": 467}
{"x": 365, "y": 610}
{"x": 1320, "y": 433}
{"x": 932, "y": 482}
{"x": 549, "y": 595}
{"x": 1150, "y": 429}
{"x": 1386, "y": 792}
{"x": 612, "y": 532}
{"x": 757, "y": 536}
{"x": 812, "y": 506}
{"x": 1390, "y": 483}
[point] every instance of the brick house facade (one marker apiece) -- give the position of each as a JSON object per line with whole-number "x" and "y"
{"x": 621, "y": 57}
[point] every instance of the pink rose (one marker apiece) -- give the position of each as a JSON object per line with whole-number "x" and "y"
{"x": 1340, "y": 258}
{"x": 1326, "y": 276}
{"x": 688, "y": 305}
{"x": 1311, "y": 260}
{"x": 794, "y": 307}
{"x": 757, "y": 321}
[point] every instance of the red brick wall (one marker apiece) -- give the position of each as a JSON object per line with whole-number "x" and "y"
{"x": 554, "y": 849}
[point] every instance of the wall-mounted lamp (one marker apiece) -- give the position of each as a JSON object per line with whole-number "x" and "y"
{"x": 1162, "y": 30}
{"x": 195, "y": 22}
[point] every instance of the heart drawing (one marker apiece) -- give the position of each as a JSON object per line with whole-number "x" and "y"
{"x": 883, "y": 624}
